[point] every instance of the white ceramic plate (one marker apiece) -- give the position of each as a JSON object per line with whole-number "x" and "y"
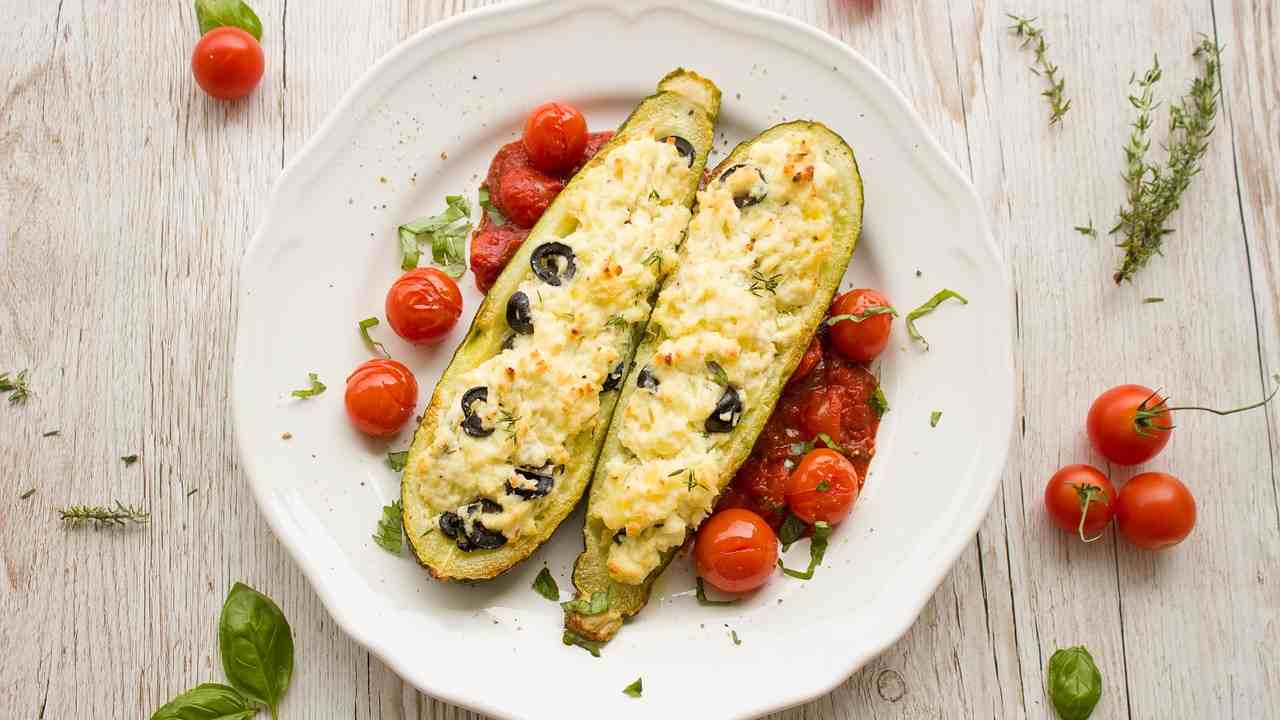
{"x": 326, "y": 254}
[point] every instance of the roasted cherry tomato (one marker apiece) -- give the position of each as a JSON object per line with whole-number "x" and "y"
{"x": 760, "y": 486}
{"x": 555, "y": 136}
{"x": 861, "y": 340}
{"x": 1128, "y": 425}
{"x": 1080, "y": 492}
{"x": 227, "y": 63}
{"x": 823, "y": 487}
{"x": 423, "y": 305}
{"x": 736, "y": 550}
{"x": 824, "y": 412}
{"x": 381, "y": 395}
{"x": 524, "y": 194}
{"x": 1155, "y": 510}
{"x": 808, "y": 361}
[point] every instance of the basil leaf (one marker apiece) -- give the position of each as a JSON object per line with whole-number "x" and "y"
{"x": 256, "y": 646}
{"x": 733, "y": 634}
{"x": 598, "y": 603}
{"x": 879, "y": 402}
{"x": 792, "y": 530}
{"x": 397, "y": 460}
{"x": 210, "y": 701}
{"x": 316, "y": 388}
{"x": 832, "y": 444}
{"x": 871, "y": 311}
{"x": 817, "y": 550}
{"x": 234, "y": 13}
{"x": 128, "y": 459}
{"x": 704, "y": 600}
{"x": 717, "y": 373}
{"x": 490, "y": 210}
{"x": 572, "y": 638}
{"x": 373, "y": 345}
{"x": 1075, "y": 684}
{"x": 447, "y": 232}
{"x": 934, "y": 417}
{"x": 389, "y": 535}
{"x": 409, "y": 253}
{"x": 933, "y": 303}
{"x": 634, "y": 689}
{"x": 546, "y": 586}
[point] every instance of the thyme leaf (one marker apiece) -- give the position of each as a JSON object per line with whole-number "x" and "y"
{"x": 1033, "y": 37}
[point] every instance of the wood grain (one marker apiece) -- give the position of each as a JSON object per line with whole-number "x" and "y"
{"x": 127, "y": 197}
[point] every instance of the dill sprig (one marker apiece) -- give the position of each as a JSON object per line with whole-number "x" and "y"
{"x": 1155, "y": 190}
{"x": 1033, "y": 37}
{"x": 508, "y": 419}
{"x": 100, "y": 516}
{"x": 16, "y": 386}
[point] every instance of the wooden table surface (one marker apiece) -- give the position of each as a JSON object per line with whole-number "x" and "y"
{"x": 127, "y": 197}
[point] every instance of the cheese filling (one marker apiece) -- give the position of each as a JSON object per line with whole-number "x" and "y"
{"x": 753, "y": 257}
{"x": 623, "y": 221}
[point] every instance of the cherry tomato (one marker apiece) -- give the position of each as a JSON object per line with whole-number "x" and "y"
{"x": 760, "y": 486}
{"x": 824, "y": 412}
{"x": 1125, "y": 425}
{"x": 423, "y": 305}
{"x": 227, "y": 63}
{"x": 823, "y": 487}
{"x": 524, "y": 194}
{"x": 808, "y": 361}
{"x": 736, "y": 550}
{"x": 1074, "y": 488}
{"x": 381, "y": 395}
{"x": 1155, "y": 510}
{"x": 492, "y": 247}
{"x": 555, "y": 136}
{"x": 860, "y": 341}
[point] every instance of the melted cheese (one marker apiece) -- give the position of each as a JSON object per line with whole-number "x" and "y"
{"x": 544, "y": 392}
{"x": 743, "y": 274}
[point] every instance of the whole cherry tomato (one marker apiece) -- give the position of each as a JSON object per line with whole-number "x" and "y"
{"x": 227, "y": 63}
{"x": 1080, "y": 499}
{"x": 525, "y": 193}
{"x": 1129, "y": 424}
{"x": 808, "y": 361}
{"x": 555, "y": 136}
{"x": 423, "y": 305}
{"x": 736, "y": 550}
{"x": 823, "y": 487}
{"x": 864, "y": 334}
{"x": 381, "y": 395}
{"x": 1155, "y": 510}
{"x": 492, "y": 247}
{"x": 825, "y": 409}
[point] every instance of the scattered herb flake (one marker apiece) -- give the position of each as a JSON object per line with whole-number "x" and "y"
{"x": 52, "y": 433}
{"x": 823, "y": 486}
{"x": 764, "y": 283}
{"x": 615, "y": 321}
{"x": 1033, "y": 37}
{"x": 817, "y": 550}
{"x": 592, "y": 646}
{"x": 733, "y": 634}
{"x": 598, "y": 603}
{"x": 389, "y": 535}
{"x": 934, "y": 417}
{"x": 792, "y": 529}
{"x": 879, "y": 402}
{"x": 446, "y": 232}
{"x": 1087, "y": 230}
{"x": 316, "y": 388}
{"x": 546, "y": 586}
{"x": 128, "y": 459}
{"x": 858, "y": 317}
{"x": 192, "y": 491}
{"x": 99, "y": 516}
{"x": 701, "y": 594}
{"x": 16, "y": 386}
{"x": 826, "y": 440}
{"x": 634, "y": 689}
{"x": 397, "y": 460}
{"x": 1150, "y": 300}
{"x": 717, "y": 373}
{"x": 490, "y": 210}
{"x": 373, "y": 345}
{"x": 938, "y": 298}
{"x": 27, "y": 494}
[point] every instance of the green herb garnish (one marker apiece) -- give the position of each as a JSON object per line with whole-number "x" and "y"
{"x": 934, "y": 417}
{"x": 938, "y": 298}
{"x": 397, "y": 460}
{"x": 27, "y": 494}
{"x": 1074, "y": 683}
{"x": 1154, "y": 190}
{"x": 129, "y": 459}
{"x": 615, "y": 321}
{"x": 792, "y": 529}
{"x": 653, "y": 258}
{"x": 717, "y": 373}
{"x": 823, "y": 486}
{"x": 100, "y": 516}
{"x": 762, "y": 283}
{"x": 316, "y": 388}
{"x": 213, "y": 701}
{"x": 733, "y": 634}
{"x": 817, "y": 549}
{"x": 234, "y": 13}
{"x": 592, "y": 646}
{"x": 507, "y": 419}
{"x": 868, "y": 312}
{"x": 17, "y": 386}
{"x": 373, "y": 345}
{"x": 51, "y": 433}
{"x": 1033, "y": 37}
{"x": 491, "y": 211}
{"x": 546, "y": 586}
{"x": 255, "y": 643}
{"x": 390, "y": 535}
{"x": 701, "y": 594}
{"x": 1150, "y": 300}
{"x": 446, "y": 232}
{"x": 634, "y": 689}
{"x": 879, "y": 402}
{"x": 598, "y": 603}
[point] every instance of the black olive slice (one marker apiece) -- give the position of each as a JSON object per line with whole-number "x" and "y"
{"x": 479, "y": 537}
{"x": 519, "y": 318}
{"x": 539, "y": 482}
{"x": 646, "y": 379}
{"x": 450, "y": 524}
{"x": 470, "y": 421}
{"x": 486, "y": 539}
{"x": 615, "y": 376}
{"x": 684, "y": 147}
{"x": 553, "y": 263}
{"x": 748, "y": 198}
{"x": 727, "y": 413}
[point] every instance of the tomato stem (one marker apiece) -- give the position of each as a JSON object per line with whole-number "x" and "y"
{"x": 1145, "y": 415}
{"x": 1087, "y": 494}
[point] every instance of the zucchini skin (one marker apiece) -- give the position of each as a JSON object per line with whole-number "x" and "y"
{"x": 590, "y": 572}
{"x": 668, "y": 112}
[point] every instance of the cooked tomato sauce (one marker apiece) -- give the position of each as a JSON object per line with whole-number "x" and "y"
{"x": 827, "y": 394}
{"x": 521, "y": 193}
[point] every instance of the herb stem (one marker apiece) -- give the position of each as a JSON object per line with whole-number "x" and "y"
{"x": 1033, "y": 37}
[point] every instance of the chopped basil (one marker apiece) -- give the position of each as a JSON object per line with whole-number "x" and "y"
{"x": 397, "y": 460}
{"x": 823, "y": 486}
{"x": 934, "y": 417}
{"x": 701, "y": 594}
{"x": 490, "y": 210}
{"x": 389, "y": 536}
{"x": 598, "y": 603}
{"x": 634, "y": 689}
{"x": 128, "y": 459}
{"x": 16, "y": 385}
{"x": 878, "y": 402}
{"x": 373, "y": 345}
{"x": 27, "y": 494}
{"x": 832, "y": 444}
{"x": 316, "y": 388}
{"x": 717, "y": 373}
{"x": 869, "y": 312}
{"x": 546, "y": 586}
{"x": 447, "y": 232}
{"x": 52, "y": 433}
{"x": 817, "y": 549}
{"x": 792, "y": 530}
{"x": 734, "y": 635}
{"x": 592, "y": 646}
{"x": 1150, "y": 300}
{"x": 933, "y": 303}
{"x": 615, "y": 321}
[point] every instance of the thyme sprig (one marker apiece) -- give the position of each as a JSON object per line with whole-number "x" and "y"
{"x": 1154, "y": 191}
{"x": 16, "y": 386}
{"x": 101, "y": 517}
{"x": 1033, "y": 37}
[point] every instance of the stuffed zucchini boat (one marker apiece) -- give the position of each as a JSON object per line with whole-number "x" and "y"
{"x": 509, "y": 439}
{"x": 771, "y": 238}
